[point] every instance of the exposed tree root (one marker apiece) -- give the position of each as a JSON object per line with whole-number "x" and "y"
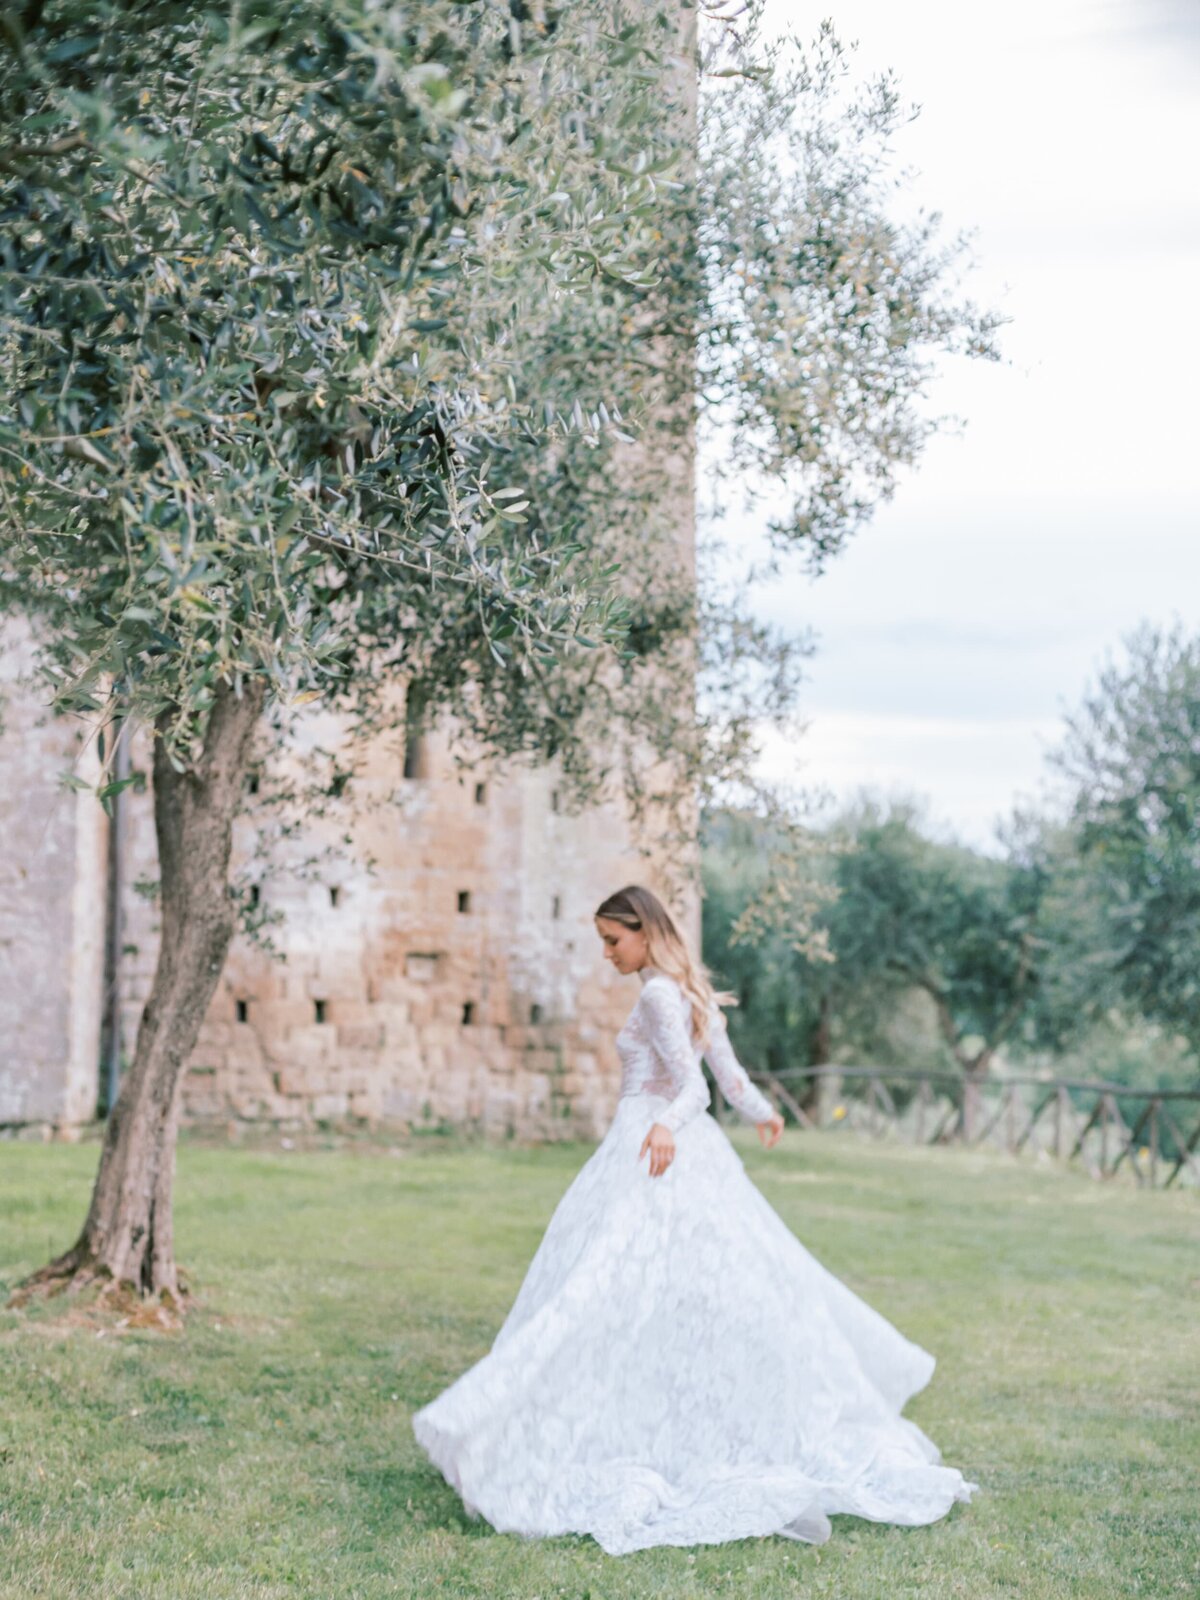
{"x": 89, "y": 1286}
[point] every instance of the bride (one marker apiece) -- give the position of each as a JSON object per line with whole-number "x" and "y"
{"x": 677, "y": 1369}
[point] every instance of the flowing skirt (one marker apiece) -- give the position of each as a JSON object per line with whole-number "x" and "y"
{"x": 677, "y": 1369}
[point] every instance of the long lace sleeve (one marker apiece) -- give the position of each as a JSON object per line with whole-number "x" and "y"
{"x": 669, "y": 1036}
{"x": 731, "y": 1075}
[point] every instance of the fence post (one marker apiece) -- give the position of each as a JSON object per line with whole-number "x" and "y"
{"x": 829, "y": 1093}
{"x": 968, "y": 1120}
{"x": 1062, "y": 1100}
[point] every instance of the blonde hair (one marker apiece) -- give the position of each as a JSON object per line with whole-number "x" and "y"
{"x": 641, "y": 909}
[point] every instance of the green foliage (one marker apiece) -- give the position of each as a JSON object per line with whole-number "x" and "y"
{"x": 766, "y": 944}
{"x": 822, "y": 311}
{"x": 895, "y": 912}
{"x": 958, "y": 925}
{"x": 262, "y": 276}
{"x": 325, "y": 333}
{"x": 267, "y": 1451}
{"x": 1076, "y": 951}
{"x": 1127, "y": 1050}
{"x": 1132, "y": 757}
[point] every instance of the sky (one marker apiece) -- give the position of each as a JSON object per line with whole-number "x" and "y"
{"x": 957, "y": 628}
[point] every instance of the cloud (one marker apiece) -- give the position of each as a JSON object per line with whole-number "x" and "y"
{"x": 970, "y": 770}
{"x": 957, "y": 627}
{"x": 1170, "y": 22}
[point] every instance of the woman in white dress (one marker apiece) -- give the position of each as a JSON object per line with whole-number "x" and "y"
{"x": 677, "y": 1369}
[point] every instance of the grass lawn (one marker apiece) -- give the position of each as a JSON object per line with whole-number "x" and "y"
{"x": 267, "y": 1450}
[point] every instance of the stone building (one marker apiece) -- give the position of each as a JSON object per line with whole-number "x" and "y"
{"x": 459, "y": 981}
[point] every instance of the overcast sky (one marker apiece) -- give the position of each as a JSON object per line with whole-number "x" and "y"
{"x": 956, "y": 628}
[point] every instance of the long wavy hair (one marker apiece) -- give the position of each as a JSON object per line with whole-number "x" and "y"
{"x": 641, "y": 909}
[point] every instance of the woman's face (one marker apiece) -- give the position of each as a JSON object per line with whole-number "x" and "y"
{"x": 624, "y": 947}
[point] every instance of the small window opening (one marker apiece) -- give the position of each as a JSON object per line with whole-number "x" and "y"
{"x": 535, "y": 1013}
{"x": 243, "y": 1011}
{"x": 334, "y": 894}
{"x": 480, "y": 794}
{"x": 554, "y": 799}
{"x": 464, "y": 900}
{"x": 252, "y": 783}
{"x": 255, "y": 894}
{"x": 468, "y": 1013}
{"x": 416, "y": 752}
{"x": 320, "y": 1010}
{"x": 556, "y": 907}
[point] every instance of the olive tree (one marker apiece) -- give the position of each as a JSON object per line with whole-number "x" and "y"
{"x": 1131, "y": 758}
{"x": 890, "y": 911}
{"x": 327, "y": 335}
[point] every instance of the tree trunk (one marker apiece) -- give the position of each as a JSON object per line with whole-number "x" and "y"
{"x": 975, "y": 1074}
{"x": 820, "y": 1043}
{"x": 128, "y": 1237}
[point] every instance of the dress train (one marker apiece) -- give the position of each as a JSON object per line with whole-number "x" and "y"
{"x": 677, "y": 1369}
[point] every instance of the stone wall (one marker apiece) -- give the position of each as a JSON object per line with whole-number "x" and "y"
{"x": 389, "y": 1000}
{"x": 394, "y": 1000}
{"x": 52, "y": 881}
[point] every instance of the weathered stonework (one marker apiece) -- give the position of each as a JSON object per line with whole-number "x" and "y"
{"x": 385, "y": 1003}
{"x": 391, "y": 1004}
{"x": 52, "y": 865}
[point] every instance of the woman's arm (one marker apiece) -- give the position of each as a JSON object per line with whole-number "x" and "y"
{"x": 669, "y": 1035}
{"x": 731, "y": 1075}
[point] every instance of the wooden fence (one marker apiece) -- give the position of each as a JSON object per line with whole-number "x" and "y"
{"x": 1105, "y": 1128}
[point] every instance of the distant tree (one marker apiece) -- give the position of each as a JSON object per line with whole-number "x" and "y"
{"x": 771, "y": 953}
{"x": 1132, "y": 757}
{"x": 893, "y": 911}
{"x": 1075, "y": 989}
{"x": 1082, "y": 1021}
{"x": 323, "y": 328}
{"x": 960, "y": 926}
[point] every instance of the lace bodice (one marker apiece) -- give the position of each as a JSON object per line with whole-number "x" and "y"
{"x": 659, "y": 1056}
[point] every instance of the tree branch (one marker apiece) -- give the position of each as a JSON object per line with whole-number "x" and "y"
{"x": 11, "y": 154}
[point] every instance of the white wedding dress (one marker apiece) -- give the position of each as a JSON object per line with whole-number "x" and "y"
{"x": 677, "y": 1369}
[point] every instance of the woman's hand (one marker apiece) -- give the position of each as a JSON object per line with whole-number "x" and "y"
{"x": 660, "y": 1142}
{"x": 769, "y": 1132}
